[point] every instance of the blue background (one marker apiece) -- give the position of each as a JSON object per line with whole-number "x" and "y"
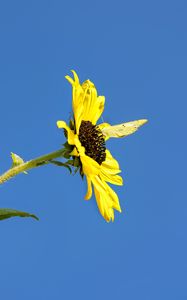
{"x": 136, "y": 54}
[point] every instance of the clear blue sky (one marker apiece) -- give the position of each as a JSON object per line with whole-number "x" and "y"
{"x": 136, "y": 54}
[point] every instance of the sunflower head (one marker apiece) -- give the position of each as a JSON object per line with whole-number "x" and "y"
{"x": 93, "y": 141}
{"x": 86, "y": 146}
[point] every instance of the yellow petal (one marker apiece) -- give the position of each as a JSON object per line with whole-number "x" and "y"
{"x": 76, "y": 78}
{"x": 86, "y": 104}
{"x": 70, "y": 133}
{"x": 90, "y": 167}
{"x": 114, "y": 197}
{"x": 104, "y": 206}
{"x": 114, "y": 179}
{"x": 74, "y": 152}
{"x": 110, "y": 169}
{"x": 69, "y": 79}
{"x": 103, "y": 125}
{"x": 90, "y": 99}
{"x": 100, "y": 203}
{"x": 99, "y": 109}
{"x": 110, "y": 164}
{"x": 89, "y": 189}
{"x": 77, "y": 101}
{"x": 93, "y": 104}
{"x": 106, "y": 198}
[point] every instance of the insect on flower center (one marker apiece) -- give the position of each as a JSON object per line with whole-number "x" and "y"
{"x": 93, "y": 141}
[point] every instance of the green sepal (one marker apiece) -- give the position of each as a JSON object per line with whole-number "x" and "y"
{"x": 60, "y": 164}
{"x": 66, "y": 155}
{"x": 68, "y": 146}
{"x": 81, "y": 173}
{"x": 76, "y": 170}
{"x": 6, "y": 213}
{"x": 17, "y": 161}
{"x": 75, "y": 162}
{"x": 67, "y": 150}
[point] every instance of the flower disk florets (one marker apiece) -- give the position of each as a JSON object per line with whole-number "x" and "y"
{"x": 92, "y": 140}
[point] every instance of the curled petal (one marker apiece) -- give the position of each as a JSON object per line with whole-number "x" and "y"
{"x": 76, "y": 78}
{"x": 70, "y": 133}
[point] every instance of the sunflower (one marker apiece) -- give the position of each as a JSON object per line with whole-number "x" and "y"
{"x": 87, "y": 143}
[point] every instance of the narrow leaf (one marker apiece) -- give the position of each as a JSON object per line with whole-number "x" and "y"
{"x": 70, "y": 162}
{"x": 60, "y": 164}
{"x": 6, "y": 213}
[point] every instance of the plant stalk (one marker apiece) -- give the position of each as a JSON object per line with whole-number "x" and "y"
{"x": 37, "y": 162}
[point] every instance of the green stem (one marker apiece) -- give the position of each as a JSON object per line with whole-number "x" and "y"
{"x": 39, "y": 161}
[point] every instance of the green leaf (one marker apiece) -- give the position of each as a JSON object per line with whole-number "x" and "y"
{"x": 17, "y": 160}
{"x": 6, "y": 213}
{"x": 60, "y": 164}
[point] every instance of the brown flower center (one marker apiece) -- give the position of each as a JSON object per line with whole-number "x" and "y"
{"x": 93, "y": 141}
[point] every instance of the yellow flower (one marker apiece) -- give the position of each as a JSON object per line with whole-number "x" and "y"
{"x": 88, "y": 143}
